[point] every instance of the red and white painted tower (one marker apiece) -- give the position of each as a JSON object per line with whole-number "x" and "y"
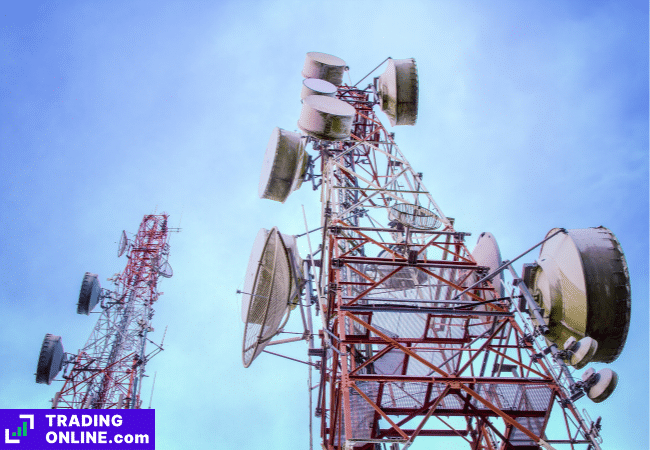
{"x": 109, "y": 370}
{"x": 420, "y": 336}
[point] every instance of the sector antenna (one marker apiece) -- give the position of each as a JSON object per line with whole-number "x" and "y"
{"x": 410, "y": 335}
{"x": 109, "y": 370}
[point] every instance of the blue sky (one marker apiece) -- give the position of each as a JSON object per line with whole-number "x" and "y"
{"x": 533, "y": 115}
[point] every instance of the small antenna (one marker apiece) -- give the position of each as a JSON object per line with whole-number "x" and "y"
{"x": 285, "y": 164}
{"x": 165, "y": 270}
{"x": 164, "y": 334}
{"x": 154, "y": 383}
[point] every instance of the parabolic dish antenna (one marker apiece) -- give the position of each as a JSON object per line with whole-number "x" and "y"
{"x": 285, "y": 163}
{"x": 604, "y": 384}
{"x": 165, "y": 270}
{"x": 50, "y": 360}
{"x": 124, "y": 242}
{"x": 89, "y": 293}
{"x": 487, "y": 253}
{"x": 581, "y": 352}
{"x": 268, "y": 290}
{"x": 326, "y": 118}
{"x": 398, "y": 91}
{"x": 316, "y": 86}
{"x": 415, "y": 216}
{"x": 325, "y": 67}
{"x": 581, "y": 281}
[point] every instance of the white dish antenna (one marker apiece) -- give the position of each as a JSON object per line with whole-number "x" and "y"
{"x": 165, "y": 270}
{"x": 582, "y": 283}
{"x": 398, "y": 91}
{"x": 326, "y": 118}
{"x": 316, "y": 86}
{"x": 602, "y": 383}
{"x": 285, "y": 163}
{"x": 487, "y": 253}
{"x": 580, "y": 352}
{"x": 269, "y": 291}
{"x": 124, "y": 242}
{"x": 325, "y": 67}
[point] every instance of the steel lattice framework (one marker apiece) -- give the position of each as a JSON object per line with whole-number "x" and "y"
{"x": 407, "y": 349}
{"x": 108, "y": 371}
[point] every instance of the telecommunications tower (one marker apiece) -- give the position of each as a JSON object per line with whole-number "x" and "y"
{"x": 109, "y": 370}
{"x": 417, "y": 336}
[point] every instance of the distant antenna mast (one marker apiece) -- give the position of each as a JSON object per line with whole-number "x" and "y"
{"x": 108, "y": 371}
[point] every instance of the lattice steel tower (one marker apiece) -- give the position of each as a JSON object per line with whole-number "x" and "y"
{"x": 109, "y": 370}
{"x": 419, "y": 336}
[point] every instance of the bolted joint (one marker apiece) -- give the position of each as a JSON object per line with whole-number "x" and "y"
{"x": 335, "y": 230}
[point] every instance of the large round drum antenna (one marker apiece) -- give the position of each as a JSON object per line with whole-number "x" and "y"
{"x": 268, "y": 288}
{"x": 285, "y": 163}
{"x": 581, "y": 281}
{"x": 398, "y": 91}
{"x": 326, "y": 118}
{"x": 325, "y": 67}
{"x": 50, "y": 360}
{"x": 316, "y": 86}
{"x": 89, "y": 293}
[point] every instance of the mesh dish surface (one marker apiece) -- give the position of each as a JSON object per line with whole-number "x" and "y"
{"x": 269, "y": 294}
